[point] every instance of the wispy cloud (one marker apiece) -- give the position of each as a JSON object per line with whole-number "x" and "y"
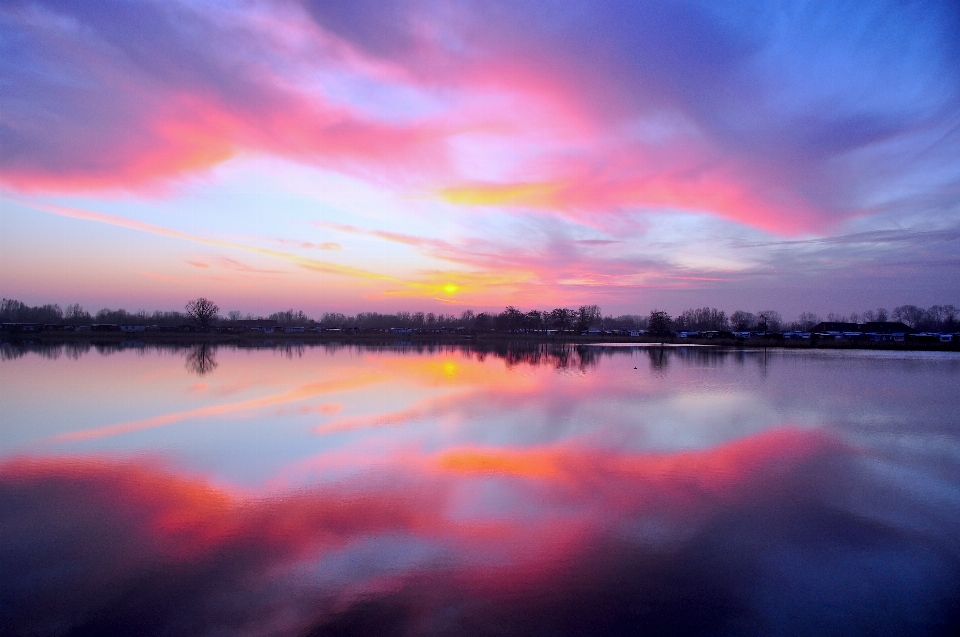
{"x": 240, "y": 266}
{"x": 309, "y": 245}
{"x": 547, "y": 264}
{"x": 308, "y": 263}
{"x": 584, "y": 110}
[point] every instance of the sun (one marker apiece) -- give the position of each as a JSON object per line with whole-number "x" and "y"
{"x": 450, "y": 288}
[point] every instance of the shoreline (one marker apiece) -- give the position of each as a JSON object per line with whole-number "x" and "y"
{"x": 254, "y": 339}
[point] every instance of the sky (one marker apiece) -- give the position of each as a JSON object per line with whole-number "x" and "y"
{"x": 441, "y": 156}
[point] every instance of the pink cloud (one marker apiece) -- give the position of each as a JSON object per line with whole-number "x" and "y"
{"x": 175, "y": 127}
{"x": 194, "y": 133}
{"x": 433, "y": 100}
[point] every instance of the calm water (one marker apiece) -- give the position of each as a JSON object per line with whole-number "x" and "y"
{"x": 443, "y": 491}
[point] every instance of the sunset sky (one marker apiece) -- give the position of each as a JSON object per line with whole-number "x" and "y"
{"x": 440, "y": 156}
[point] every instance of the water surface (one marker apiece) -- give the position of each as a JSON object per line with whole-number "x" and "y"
{"x": 451, "y": 491}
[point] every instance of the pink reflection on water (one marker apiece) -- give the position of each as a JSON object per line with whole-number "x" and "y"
{"x": 114, "y": 521}
{"x": 449, "y": 492}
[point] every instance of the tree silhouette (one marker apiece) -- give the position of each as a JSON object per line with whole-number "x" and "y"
{"x": 769, "y": 321}
{"x": 586, "y": 316}
{"x": 202, "y": 311}
{"x": 743, "y": 321}
{"x": 562, "y": 319}
{"x": 659, "y": 322}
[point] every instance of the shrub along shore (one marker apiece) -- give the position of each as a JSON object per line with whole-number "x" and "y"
{"x": 908, "y": 327}
{"x": 253, "y": 338}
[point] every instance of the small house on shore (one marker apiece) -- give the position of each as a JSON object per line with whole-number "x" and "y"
{"x": 259, "y": 325}
{"x": 876, "y": 331}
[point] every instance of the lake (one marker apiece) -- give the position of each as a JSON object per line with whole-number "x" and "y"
{"x": 521, "y": 490}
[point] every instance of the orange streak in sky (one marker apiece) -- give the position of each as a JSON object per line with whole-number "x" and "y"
{"x": 304, "y": 262}
{"x": 441, "y": 284}
{"x": 724, "y": 195}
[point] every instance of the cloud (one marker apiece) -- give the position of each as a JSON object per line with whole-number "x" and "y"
{"x": 113, "y": 95}
{"x": 880, "y": 254}
{"x": 308, "y": 245}
{"x": 542, "y": 261}
{"x": 123, "y": 222}
{"x": 748, "y": 538}
{"x": 240, "y": 266}
{"x": 779, "y": 118}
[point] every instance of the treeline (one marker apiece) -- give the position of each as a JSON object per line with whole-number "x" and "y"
{"x": 509, "y": 320}
{"x": 13, "y": 311}
{"x": 942, "y": 318}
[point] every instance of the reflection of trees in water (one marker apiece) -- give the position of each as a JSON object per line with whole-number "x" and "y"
{"x": 76, "y": 351}
{"x": 12, "y": 351}
{"x": 660, "y": 357}
{"x": 53, "y": 351}
{"x": 18, "y": 349}
{"x": 566, "y": 355}
{"x": 289, "y": 350}
{"x": 202, "y": 359}
{"x": 115, "y": 348}
{"x": 659, "y": 360}
{"x": 556, "y": 355}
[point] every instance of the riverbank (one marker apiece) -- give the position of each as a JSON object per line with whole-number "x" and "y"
{"x": 261, "y": 339}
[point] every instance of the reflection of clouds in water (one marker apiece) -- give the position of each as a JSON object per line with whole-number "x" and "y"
{"x": 521, "y": 495}
{"x": 786, "y": 532}
{"x": 303, "y": 392}
{"x": 436, "y": 396}
{"x": 691, "y": 419}
{"x": 605, "y": 416}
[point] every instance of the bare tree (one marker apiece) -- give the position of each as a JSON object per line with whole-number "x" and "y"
{"x": 509, "y": 320}
{"x": 586, "y": 316}
{"x": 742, "y": 321}
{"x": 13, "y": 311}
{"x": 561, "y": 318}
{"x": 534, "y": 319}
{"x": 707, "y": 318}
{"x": 909, "y": 314}
{"x": 769, "y": 321}
{"x": 202, "y": 312}
{"x": 806, "y": 321}
{"x": 659, "y": 322}
{"x": 75, "y": 314}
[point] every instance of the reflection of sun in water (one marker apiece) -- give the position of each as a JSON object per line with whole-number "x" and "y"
{"x": 450, "y": 288}
{"x": 450, "y": 368}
